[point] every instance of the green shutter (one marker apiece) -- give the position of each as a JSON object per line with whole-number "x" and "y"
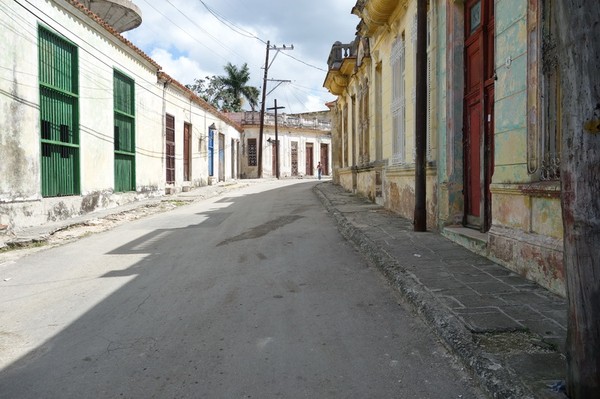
{"x": 59, "y": 117}
{"x": 124, "y": 132}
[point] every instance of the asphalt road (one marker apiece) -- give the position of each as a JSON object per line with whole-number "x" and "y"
{"x": 253, "y": 295}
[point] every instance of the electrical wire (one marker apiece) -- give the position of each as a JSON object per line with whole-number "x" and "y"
{"x": 185, "y": 31}
{"x": 203, "y": 30}
{"x": 141, "y": 82}
{"x": 231, "y": 25}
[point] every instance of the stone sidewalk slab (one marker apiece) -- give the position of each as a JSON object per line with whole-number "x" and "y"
{"x": 507, "y": 330}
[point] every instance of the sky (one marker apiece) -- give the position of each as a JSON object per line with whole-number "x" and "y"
{"x": 197, "y": 38}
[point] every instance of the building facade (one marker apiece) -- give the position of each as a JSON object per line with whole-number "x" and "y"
{"x": 492, "y": 131}
{"x": 304, "y": 140}
{"x": 89, "y": 121}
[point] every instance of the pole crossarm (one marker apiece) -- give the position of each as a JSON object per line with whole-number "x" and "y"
{"x": 279, "y": 82}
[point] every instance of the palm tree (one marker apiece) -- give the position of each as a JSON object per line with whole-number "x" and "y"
{"x": 235, "y": 88}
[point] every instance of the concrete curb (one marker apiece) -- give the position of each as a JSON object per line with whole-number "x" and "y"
{"x": 498, "y": 380}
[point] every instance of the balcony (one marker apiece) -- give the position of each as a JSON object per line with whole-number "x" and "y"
{"x": 285, "y": 120}
{"x": 122, "y": 15}
{"x": 341, "y": 62}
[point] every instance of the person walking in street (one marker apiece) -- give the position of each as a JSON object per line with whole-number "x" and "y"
{"x": 319, "y": 170}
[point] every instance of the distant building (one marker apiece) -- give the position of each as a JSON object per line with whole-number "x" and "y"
{"x": 304, "y": 141}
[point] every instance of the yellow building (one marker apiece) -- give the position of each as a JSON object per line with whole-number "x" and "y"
{"x": 374, "y": 78}
{"x": 493, "y": 140}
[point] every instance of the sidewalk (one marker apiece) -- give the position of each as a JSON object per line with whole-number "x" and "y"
{"x": 507, "y": 331}
{"x": 39, "y": 234}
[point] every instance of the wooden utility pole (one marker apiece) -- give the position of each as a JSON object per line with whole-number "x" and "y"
{"x": 264, "y": 99}
{"x": 262, "y": 111}
{"x": 276, "y": 139}
{"x": 578, "y": 53}
{"x": 420, "y": 215}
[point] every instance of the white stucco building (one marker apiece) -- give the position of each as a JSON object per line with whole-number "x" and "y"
{"x": 304, "y": 141}
{"x": 88, "y": 121}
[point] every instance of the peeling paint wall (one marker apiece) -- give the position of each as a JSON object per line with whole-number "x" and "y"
{"x": 526, "y": 232}
{"x": 100, "y": 53}
{"x": 19, "y": 111}
{"x": 526, "y": 217}
{"x": 286, "y": 135}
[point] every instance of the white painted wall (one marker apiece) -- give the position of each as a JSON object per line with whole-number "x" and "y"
{"x": 99, "y": 53}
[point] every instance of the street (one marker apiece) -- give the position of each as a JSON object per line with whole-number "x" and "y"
{"x": 250, "y": 295}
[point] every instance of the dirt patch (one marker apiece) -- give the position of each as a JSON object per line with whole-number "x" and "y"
{"x": 512, "y": 342}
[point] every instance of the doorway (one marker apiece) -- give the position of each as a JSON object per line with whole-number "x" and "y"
{"x": 221, "y": 157}
{"x": 170, "y": 148}
{"x": 187, "y": 131}
{"x": 325, "y": 159}
{"x": 294, "y": 158}
{"x": 478, "y": 139}
{"x": 309, "y": 160}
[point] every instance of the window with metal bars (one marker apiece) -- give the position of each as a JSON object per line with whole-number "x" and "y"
{"x": 211, "y": 152}
{"x": 252, "y": 159}
{"x": 124, "y": 132}
{"x": 170, "y": 148}
{"x": 398, "y": 61}
{"x": 59, "y": 115}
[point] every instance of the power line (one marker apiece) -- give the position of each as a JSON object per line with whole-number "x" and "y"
{"x": 185, "y": 31}
{"x": 231, "y": 25}
{"x": 305, "y": 63}
{"x": 203, "y": 30}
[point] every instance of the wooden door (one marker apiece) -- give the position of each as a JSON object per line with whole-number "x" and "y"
{"x": 478, "y": 106}
{"x": 186, "y": 151}
{"x": 294, "y": 158}
{"x": 170, "y": 149}
{"x": 325, "y": 159}
{"x": 309, "y": 160}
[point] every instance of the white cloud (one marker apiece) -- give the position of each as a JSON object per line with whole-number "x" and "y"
{"x": 184, "y": 69}
{"x": 189, "y": 42}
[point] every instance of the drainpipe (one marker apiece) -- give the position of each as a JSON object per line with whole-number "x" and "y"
{"x": 420, "y": 215}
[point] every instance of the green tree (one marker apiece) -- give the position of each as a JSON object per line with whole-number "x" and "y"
{"x": 227, "y": 93}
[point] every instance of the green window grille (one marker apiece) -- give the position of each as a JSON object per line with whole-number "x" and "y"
{"x": 59, "y": 115}
{"x": 124, "y": 140}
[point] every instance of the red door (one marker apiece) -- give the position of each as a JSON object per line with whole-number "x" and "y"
{"x": 478, "y": 106}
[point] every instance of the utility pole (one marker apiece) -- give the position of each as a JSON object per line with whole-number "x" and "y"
{"x": 578, "y": 55}
{"x": 276, "y": 139}
{"x": 264, "y": 98}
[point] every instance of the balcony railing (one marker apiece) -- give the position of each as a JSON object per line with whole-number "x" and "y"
{"x": 297, "y": 121}
{"x": 339, "y": 52}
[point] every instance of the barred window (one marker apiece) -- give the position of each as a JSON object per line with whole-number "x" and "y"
{"x": 544, "y": 111}
{"x": 398, "y": 98}
{"x": 124, "y": 132}
{"x": 59, "y": 114}
{"x": 252, "y": 159}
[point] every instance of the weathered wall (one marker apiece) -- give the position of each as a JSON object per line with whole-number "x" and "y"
{"x": 19, "y": 112}
{"x": 179, "y": 104}
{"x": 286, "y": 135}
{"x": 100, "y": 52}
{"x": 526, "y": 233}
